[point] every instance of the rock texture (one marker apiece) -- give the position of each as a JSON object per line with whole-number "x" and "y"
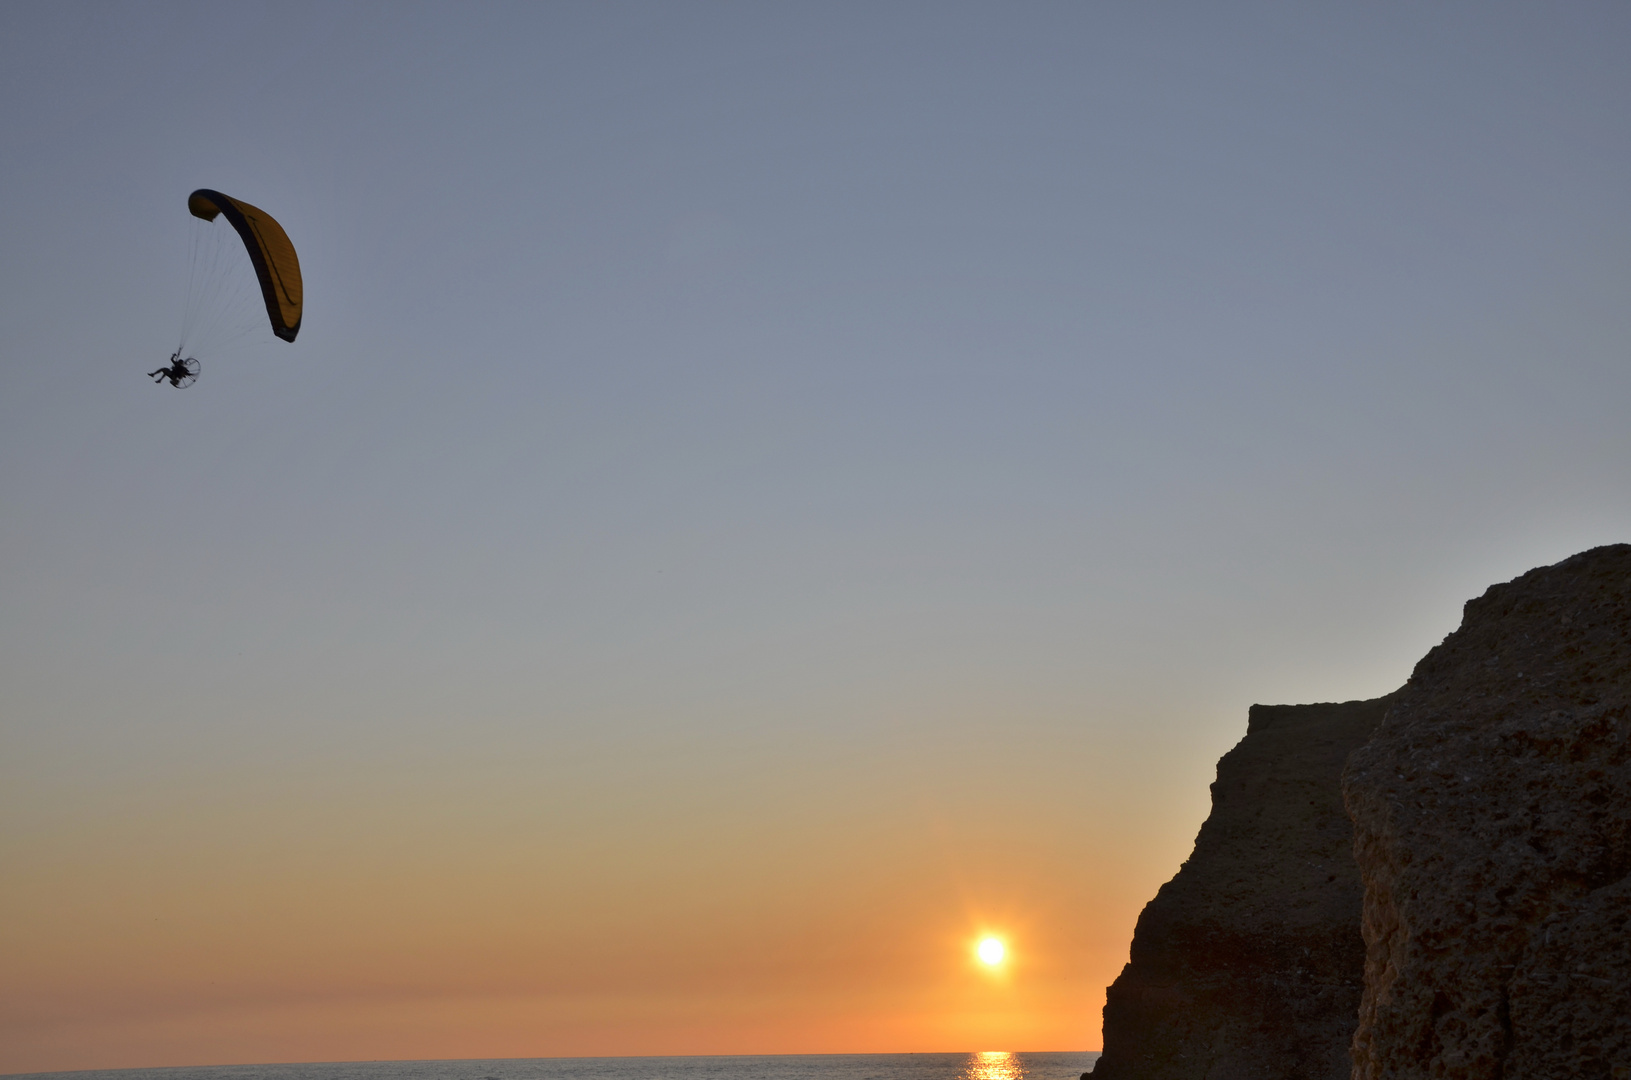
{"x": 1492, "y": 816}
{"x": 1248, "y": 963}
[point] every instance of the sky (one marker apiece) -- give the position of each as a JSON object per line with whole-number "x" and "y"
{"x": 764, "y": 494}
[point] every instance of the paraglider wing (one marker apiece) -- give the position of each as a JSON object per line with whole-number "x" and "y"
{"x": 276, "y": 264}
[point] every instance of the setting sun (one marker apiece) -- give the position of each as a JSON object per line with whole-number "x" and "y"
{"x": 991, "y": 951}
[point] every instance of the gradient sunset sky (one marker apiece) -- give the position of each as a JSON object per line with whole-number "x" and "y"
{"x": 764, "y": 495}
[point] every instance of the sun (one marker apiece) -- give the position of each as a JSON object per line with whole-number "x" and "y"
{"x": 990, "y": 951}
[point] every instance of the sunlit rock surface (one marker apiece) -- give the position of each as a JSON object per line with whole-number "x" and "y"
{"x": 1492, "y": 816}
{"x": 1248, "y": 963}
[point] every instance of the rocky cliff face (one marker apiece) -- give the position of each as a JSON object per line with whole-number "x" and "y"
{"x": 1492, "y": 816}
{"x": 1248, "y": 963}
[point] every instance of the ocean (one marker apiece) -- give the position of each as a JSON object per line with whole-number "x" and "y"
{"x": 991, "y": 1065}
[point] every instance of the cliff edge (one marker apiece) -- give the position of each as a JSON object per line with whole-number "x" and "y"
{"x": 1248, "y": 963}
{"x": 1492, "y": 816}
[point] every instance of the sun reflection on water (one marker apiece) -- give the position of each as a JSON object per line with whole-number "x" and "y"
{"x": 994, "y": 1065}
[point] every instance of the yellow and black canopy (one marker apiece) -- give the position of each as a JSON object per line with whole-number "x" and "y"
{"x": 276, "y": 264}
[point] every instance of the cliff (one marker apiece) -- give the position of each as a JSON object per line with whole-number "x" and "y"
{"x": 1492, "y": 815}
{"x": 1454, "y": 904}
{"x": 1248, "y": 963}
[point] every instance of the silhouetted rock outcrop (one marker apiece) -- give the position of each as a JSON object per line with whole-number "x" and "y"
{"x": 1488, "y": 867}
{"x": 1492, "y": 816}
{"x": 1248, "y": 963}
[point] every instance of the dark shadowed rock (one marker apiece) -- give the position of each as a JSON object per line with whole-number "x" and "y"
{"x": 1492, "y": 817}
{"x": 1248, "y": 963}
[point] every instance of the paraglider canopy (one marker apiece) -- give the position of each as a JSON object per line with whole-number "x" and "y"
{"x": 273, "y": 256}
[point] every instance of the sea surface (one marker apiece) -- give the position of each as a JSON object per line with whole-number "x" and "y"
{"x": 990, "y": 1065}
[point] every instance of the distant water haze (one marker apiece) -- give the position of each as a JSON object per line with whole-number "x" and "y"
{"x": 764, "y": 497}
{"x": 980, "y": 1065}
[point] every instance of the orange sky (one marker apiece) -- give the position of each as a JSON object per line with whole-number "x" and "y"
{"x": 210, "y": 933}
{"x": 265, "y": 913}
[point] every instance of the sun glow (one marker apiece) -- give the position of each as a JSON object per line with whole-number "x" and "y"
{"x": 990, "y": 951}
{"x": 994, "y": 1065}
